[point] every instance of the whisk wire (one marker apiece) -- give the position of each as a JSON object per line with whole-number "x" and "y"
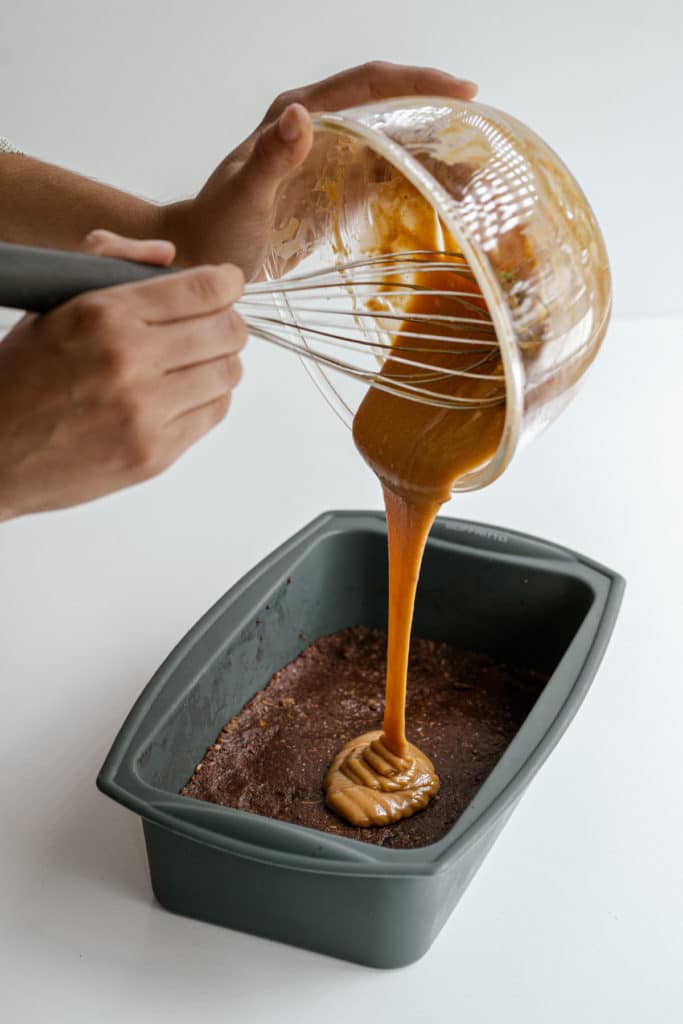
{"x": 322, "y": 331}
{"x": 405, "y": 390}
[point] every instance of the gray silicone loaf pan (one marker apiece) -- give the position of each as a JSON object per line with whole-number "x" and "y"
{"x": 487, "y": 589}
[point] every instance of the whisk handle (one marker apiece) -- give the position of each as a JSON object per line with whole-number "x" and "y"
{"x": 38, "y": 279}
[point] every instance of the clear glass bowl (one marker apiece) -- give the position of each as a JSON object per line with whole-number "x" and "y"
{"x": 511, "y": 207}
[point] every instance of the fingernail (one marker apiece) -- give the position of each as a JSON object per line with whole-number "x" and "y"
{"x": 288, "y": 126}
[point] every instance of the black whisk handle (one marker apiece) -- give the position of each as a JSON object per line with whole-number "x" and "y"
{"x": 38, "y": 279}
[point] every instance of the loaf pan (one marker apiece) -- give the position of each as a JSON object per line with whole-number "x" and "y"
{"x": 484, "y": 588}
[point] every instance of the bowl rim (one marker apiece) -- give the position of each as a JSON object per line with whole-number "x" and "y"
{"x": 119, "y": 779}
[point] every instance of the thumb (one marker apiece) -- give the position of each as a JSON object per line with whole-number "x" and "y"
{"x": 281, "y": 146}
{"x": 142, "y": 250}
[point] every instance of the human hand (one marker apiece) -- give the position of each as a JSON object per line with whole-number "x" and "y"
{"x": 230, "y": 218}
{"x": 112, "y": 387}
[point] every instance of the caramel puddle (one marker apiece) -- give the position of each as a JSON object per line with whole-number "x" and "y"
{"x": 368, "y": 784}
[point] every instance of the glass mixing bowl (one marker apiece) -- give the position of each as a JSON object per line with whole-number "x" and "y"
{"x": 501, "y": 196}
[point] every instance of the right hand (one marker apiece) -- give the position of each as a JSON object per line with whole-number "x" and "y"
{"x": 112, "y": 387}
{"x": 232, "y": 217}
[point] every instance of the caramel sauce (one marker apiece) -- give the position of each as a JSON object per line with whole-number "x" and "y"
{"x": 417, "y": 451}
{"x": 371, "y": 785}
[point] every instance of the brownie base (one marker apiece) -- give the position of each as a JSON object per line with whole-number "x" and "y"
{"x": 463, "y": 709}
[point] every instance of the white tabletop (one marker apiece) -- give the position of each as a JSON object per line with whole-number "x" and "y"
{"x": 576, "y": 913}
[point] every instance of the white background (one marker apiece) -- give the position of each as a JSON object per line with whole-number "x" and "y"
{"x": 576, "y": 913}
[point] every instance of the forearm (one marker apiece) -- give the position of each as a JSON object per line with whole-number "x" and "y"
{"x": 41, "y": 204}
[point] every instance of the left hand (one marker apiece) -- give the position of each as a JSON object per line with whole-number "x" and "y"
{"x": 113, "y": 386}
{"x": 229, "y": 220}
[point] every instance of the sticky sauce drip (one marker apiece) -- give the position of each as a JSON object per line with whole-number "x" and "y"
{"x": 417, "y": 451}
{"x": 368, "y": 784}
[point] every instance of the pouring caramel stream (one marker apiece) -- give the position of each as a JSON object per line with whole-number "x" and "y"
{"x": 417, "y": 451}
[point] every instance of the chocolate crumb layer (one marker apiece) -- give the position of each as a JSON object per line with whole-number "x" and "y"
{"x": 463, "y": 710}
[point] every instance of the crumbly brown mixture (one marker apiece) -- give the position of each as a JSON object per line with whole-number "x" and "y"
{"x": 463, "y": 710}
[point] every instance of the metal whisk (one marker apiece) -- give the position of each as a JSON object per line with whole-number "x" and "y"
{"x": 354, "y": 318}
{"x": 406, "y": 353}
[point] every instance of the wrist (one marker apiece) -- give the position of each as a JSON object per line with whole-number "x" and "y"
{"x": 175, "y": 222}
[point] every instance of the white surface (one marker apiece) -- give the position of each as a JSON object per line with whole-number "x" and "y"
{"x": 576, "y": 913}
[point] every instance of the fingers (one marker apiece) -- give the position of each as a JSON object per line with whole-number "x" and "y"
{"x": 182, "y": 432}
{"x": 188, "y": 293}
{"x": 188, "y": 343}
{"x": 156, "y": 421}
{"x": 192, "y": 388}
{"x": 148, "y": 448}
{"x": 374, "y": 81}
{"x": 142, "y": 250}
{"x": 280, "y": 147}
